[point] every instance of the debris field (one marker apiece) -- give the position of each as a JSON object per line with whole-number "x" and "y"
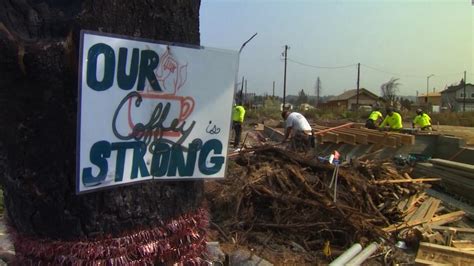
{"x": 276, "y": 201}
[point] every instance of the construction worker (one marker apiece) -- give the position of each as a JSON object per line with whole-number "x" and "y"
{"x": 393, "y": 120}
{"x": 298, "y": 128}
{"x": 374, "y": 118}
{"x": 423, "y": 120}
{"x": 238, "y": 114}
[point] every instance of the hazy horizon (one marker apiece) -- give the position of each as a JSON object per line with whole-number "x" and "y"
{"x": 405, "y": 39}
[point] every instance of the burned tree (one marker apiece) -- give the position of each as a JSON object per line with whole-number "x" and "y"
{"x": 38, "y": 86}
{"x": 389, "y": 90}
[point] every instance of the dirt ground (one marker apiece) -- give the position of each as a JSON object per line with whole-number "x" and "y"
{"x": 466, "y": 133}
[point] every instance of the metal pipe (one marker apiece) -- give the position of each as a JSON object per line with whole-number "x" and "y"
{"x": 347, "y": 255}
{"x": 364, "y": 254}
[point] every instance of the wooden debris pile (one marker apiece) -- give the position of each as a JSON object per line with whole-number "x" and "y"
{"x": 275, "y": 198}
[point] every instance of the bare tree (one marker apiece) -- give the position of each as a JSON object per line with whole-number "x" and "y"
{"x": 389, "y": 90}
{"x": 302, "y": 98}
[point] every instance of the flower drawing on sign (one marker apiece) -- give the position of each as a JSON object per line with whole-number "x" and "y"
{"x": 171, "y": 74}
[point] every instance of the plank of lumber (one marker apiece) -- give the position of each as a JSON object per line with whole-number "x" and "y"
{"x": 432, "y": 209}
{"x": 437, "y": 220}
{"x": 467, "y": 245}
{"x": 443, "y": 254}
{"x": 429, "y": 262}
{"x": 446, "y": 218}
{"x": 421, "y": 211}
{"x": 456, "y": 229}
{"x": 463, "y": 173}
{"x": 345, "y": 137}
{"x": 452, "y": 164}
{"x": 359, "y": 138}
{"x": 419, "y": 180}
{"x": 323, "y": 131}
{"x": 410, "y": 208}
{"x": 328, "y": 137}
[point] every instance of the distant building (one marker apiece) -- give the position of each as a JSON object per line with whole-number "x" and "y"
{"x": 348, "y": 99}
{"x": 452, "y": 98}
{"x": 434, "y": 98}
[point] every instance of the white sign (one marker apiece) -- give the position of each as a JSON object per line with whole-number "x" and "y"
{"x": 151, "y": 111}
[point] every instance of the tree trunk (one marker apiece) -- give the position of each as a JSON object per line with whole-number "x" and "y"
{"x": 38, "y": 96}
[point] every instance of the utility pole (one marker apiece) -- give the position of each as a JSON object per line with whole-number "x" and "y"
{"x": 241, "y": 100}
{"x": 358, "y": 80}
{"x": 427, "y": 88}
{"x": 246, "y": 95}
{"x": 284, "y": 78}
{"x": 273, "y": 94}
{"x": 464, "y": 99}
{"x": 318, "y": 90}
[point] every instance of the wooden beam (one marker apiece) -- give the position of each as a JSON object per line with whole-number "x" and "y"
{"x": 456, "y": 229}
{"x": 346, "y": 138}
{"x": 396, "y": 181}
{"x": 359, "y": 138}
{"x": 466, "y": 245}
{"x": 429, "y": 262}
{"x": 432, "y": 210}
{"x": 328, "y": 137}
{"x": 421, "y": 211}
{"x": 446, "y": 218}
{"x": 438, "y": 254}
{"x": 437, "y": 220}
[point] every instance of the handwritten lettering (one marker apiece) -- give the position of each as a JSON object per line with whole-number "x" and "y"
{"x": 151, "y": 132}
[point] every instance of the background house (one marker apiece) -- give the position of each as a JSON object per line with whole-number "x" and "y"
{"x": 453, "y": 97}
{"x": 348, "y": 99}
{"x": 434, "y": 98}
{"x": 430, "y": 102}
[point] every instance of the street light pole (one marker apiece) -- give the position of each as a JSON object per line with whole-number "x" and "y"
{"x": 245, "y": 43}
{"x": 284, "y": 78}
{"x": 237, "y": 72}
{"x": 427, "y": 87}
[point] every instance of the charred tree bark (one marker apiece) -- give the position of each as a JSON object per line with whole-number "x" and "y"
{"x": 38, "y": 96}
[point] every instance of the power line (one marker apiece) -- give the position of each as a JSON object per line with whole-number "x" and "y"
{"x": 326, "y": 67}
{"x": 375, "y": 69}
{"x": 393, "y": 73}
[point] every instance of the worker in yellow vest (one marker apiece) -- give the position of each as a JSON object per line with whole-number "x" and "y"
{"x": 374, "y": 118}
{"x": 422, "y": 120}
{"x": 238, "y": 114}
{"x": 393, "y": 120}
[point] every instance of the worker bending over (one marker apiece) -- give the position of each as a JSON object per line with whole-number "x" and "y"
{"x": 422, "y": 120}
{"x": 374, "y": 118}
{"x": 393, "y": 120}
{"x": 298, "y": 128}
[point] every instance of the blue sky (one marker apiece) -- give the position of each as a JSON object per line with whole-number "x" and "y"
{"x": 405, "y": 39}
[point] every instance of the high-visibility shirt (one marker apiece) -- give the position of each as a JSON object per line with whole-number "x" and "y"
{"x": 394, "y": 121}
{"x": 375, "y": 115}
{"x": 238, "y": 114}
{"x": 422, "y": 120}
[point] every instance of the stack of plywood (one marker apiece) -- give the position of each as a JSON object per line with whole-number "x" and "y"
{"x": 457, "y": 178}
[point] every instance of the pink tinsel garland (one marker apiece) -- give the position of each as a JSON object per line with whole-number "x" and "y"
{"x": 181, "y": 241}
